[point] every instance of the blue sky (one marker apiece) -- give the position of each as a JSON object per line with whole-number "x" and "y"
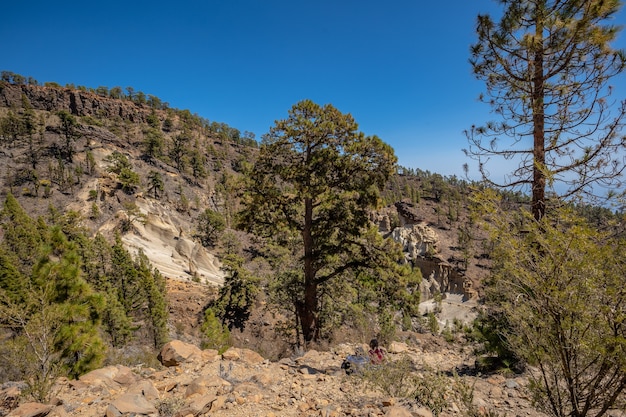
{"x": 399, "y": 67}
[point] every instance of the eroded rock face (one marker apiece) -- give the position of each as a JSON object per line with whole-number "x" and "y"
{"x": 173, "y": 252}
{"x": 418, "y": 240}
{"x": 421, "y": 245}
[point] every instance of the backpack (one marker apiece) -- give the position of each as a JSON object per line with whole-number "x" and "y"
{"x": 354, "y": 363}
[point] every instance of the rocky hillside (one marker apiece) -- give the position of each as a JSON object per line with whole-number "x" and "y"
{"x": 57, "y": 167}
{"x": 163, "y": 224}
{"x": 203, "y": 174}
{"x": 193, "y": 382}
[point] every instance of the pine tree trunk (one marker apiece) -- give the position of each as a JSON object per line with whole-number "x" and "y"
{"x": 538, "y": 204}
{"x": 308, "y": 307}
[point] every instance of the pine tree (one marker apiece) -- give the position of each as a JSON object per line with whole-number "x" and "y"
{"x": 153, "y": 285}
{"x": 547, "y": 65}
{"x": 22, "y": 238}
{"x": 314, "y": 182}
{"x": 77, "y": 339}
{"x": 237, "y": 295}
{"x": 124, "y": 277}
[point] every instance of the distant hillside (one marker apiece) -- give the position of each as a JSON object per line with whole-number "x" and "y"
{"x": 199, "y": 161}
{"x": 148, "y": 172}
{"x": 56, "y": 148}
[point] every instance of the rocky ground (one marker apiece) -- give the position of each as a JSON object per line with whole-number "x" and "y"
{"x": 192, "y": 382}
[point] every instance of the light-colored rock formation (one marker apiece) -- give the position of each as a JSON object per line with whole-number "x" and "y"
{"x": 172, "y": 252}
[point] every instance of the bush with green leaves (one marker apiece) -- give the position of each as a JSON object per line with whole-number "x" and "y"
{"x": 210, "y": 225}
{"x": 216, "y": 335}
{"x": 427, "y": 387}
{"x": 557, "y": 286}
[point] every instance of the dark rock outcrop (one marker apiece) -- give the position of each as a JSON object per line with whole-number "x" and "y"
{"x": 77, "y": 102}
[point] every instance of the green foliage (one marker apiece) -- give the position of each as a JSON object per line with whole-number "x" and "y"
{"x": 21, "y": 238}
{"x": 90, "y": 120}
{"x": 117, "y": 162}
{"x": 210, "y": 225}
{"x": 155, "y": 183}
{"x": 134, "y": 292}
{"x": 231, "y": 243}
{"x": 428, "y": 388}
{"x": 315, "y": 179}
{"x": 153, "y": 144}
{"x": 237, "y": 295}
{"x": 153, "y": 120}
{"x": 55, "y": 318}
{"x": 124, "y": 277}
{"x": 433, "y": 323}
{"x": 120, "y": 165}
{"x": 179, "y": 149}
{"x": 217, "y": 335}
{"x": 11, "y": 280}
{"x": 129, "y": 180}
{"x": 68, "y": 128}
{"x": 115, "y": 321}
{"x": 132, "y": 213}
{"x": 90, "y": 162}
{"x": 78, "y": 339}
{"x": 547, "y": 67}
{"x": 30, "y": 355}
{"x": 394, "y": 378}
{"x": 559, "y": 284}
{"x": 182, "y": 204}
{"x": 116, "y": 92}
{"x": 11, "y": 128}
{"x": 92, "y": 195}
{"x": 493, "y": 351}
{"x": 197, "y": 162}
{"x": 153, "y": 284}
{"x": 168, "y": 124}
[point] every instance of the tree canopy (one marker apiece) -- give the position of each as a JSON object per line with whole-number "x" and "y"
{"x": 311, "y": 188}
{"x": 547, "y": 66}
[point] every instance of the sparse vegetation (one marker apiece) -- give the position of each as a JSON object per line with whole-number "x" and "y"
{"x": 101, "y": 295}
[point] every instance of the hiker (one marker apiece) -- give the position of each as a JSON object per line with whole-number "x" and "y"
{"x": 377, "y": 354}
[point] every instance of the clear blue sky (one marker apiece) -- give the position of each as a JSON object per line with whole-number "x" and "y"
{"x": 399, "y": 67}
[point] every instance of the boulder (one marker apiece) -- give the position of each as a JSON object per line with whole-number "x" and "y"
{"x": 396, "y": 411}
{"x": 130, "y": 404}
{"x": 145, "y": 388}
{"x": 110, "y": 377}
{"x": 206, "y": 384}
{"x": 176, "y": 352}
{"x": 201, "y": 404}
{"x": 31, "y": 410}
{"x": 9, "y": 398}
{"x": 232, "y": 354}
{"x": 248, "y": 356}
